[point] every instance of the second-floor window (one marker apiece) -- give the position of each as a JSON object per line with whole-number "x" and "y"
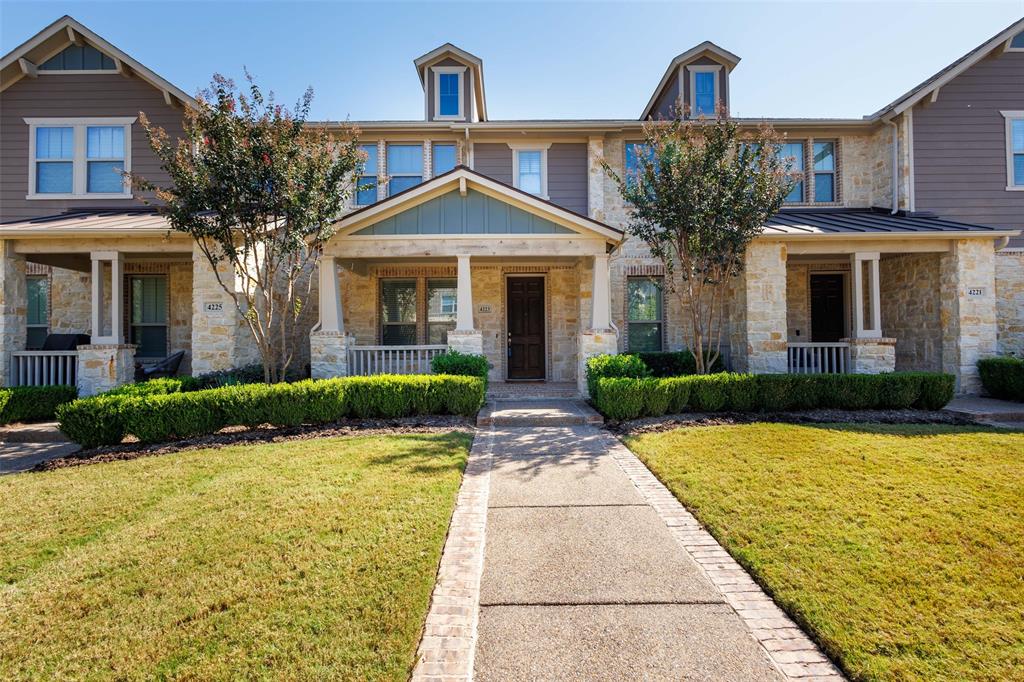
{"x": 405, "y": 167}
{"x": 1014, "y": 149}
{"x": 793, "y": 154}
{"x": 633, "y": 153}
{"x": 72, "y": 158}
{"x": 529, "y": 169}
{"x": 443, "y": 157}
{"x": 366, "y": 192}
{"x": 824, "y": 172}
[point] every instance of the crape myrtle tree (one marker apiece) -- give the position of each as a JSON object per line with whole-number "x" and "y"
{"x": 259, "y": 192}
{"x": 702, "y": 190}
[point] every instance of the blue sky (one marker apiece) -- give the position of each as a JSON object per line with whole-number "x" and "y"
{"x": 568, "y": 60}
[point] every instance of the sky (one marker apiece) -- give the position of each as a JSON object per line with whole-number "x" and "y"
{"x": 541, "y": 60}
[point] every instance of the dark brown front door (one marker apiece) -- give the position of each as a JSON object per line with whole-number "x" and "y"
{"x": 525, "y": 305}
{"x": 828, "y": 312}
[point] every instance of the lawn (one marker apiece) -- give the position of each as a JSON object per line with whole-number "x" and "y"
{"x": 301, "y": 560}
{"x": 899, "y": 548}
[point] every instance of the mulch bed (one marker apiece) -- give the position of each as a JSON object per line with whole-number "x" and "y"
{"x": 674, "y": 421}
{"x": 240, "y": 435}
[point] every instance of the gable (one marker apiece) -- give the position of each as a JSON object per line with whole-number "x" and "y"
{"x": 452, "y": 213}
{"x": 79, "y": 58}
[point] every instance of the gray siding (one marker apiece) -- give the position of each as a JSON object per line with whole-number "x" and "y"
{"x": 567, "y": 176}
{"x": 74, "y": 96}
{"x": 493, "y": 159}
{"x": 960, "y": 145}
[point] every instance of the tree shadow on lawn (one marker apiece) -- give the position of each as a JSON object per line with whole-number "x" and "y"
{"x": 437, "y": 447}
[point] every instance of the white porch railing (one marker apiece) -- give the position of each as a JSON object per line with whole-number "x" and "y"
{"x": 44, "y": 367}
{"x": 818, "y": 358}
{"x": 366, "y": 360}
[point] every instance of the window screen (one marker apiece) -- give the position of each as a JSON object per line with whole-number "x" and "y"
{"x": 645, "y": 314}
{"x": 366, "y": 192}
{"x": 824, "y": 171}
{"x": 443, "y": 156}
{"x": 442, "y": 295}
{"x": 148, "y": 316}
{"x": 793, "y": 154}
{"x": 398, "y": 312}
{"x": 405, "y": 166}
{"x": 38, "y": 313}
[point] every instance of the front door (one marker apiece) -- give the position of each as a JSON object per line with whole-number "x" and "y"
{"x": 525, "y": 306}
{"x": 828, "y": 309}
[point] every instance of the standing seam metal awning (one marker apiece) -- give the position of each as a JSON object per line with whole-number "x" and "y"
{"x": 868, "y": 222}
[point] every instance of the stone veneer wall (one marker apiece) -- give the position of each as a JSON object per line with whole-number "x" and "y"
{"x": 13, "y": 307}
{"x": 866, "y": 162}
{"x": 759, "y": 318}
{"x": 360, "y": 297}
{"x": 1010, "y": 302}
{"x": 968, "y": 321}
{"x": 220, "y": 339}
{"x": 911, "y": 308}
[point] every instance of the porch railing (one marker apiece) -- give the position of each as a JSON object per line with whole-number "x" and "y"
{"x": 366, "y": 360}
{"x": 818, "y": 358}
{"x": 44, "y": 367}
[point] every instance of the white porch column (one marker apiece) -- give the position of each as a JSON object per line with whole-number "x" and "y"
{"x": 465, "y": 338}
{"x": 866, "y": 324}
{"x": 328, "y": 342}
{"x": 13, "y": 308}
{"x": 601, "y": 338}
{"x": 332, "y": 318}
{"x": 107, "y": 361}
{"x": 601, "y": 297}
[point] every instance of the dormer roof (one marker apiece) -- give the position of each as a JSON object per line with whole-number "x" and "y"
{"x": 24, "y": 60}
{"x": 474, "y": 63}
{"x": 719, "y": 54}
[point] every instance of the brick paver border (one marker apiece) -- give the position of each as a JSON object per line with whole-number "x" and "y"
{"x": 448, "y": 644}
{"x": 792, "y": 651}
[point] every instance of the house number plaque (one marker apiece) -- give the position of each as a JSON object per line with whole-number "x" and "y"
{"x": 976, "y": 291}
{"x": 483, "y": 308}
{"x": 214, "y": 307}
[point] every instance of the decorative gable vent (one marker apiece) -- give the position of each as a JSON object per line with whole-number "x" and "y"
{"x": 79, "y": 58}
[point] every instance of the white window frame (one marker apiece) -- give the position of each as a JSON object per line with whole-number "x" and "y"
{"x": 387, "y": 167}
{"x": 541, "y": 147}
{"x": 460, "y": 71}
{"x": 1010, "y": 117}
{"x": 694, "y": 69}
{"x": 79, "y": 165}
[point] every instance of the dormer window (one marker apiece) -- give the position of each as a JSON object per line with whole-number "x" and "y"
{"x": 448, "y": 92}
{"x": 704, "y": 90}
{"x": 79, "y": 58}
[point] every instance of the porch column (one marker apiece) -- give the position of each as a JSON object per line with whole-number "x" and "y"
{"x": 328, "y": 342}
{"x": 967, "y": 302}
{"x": 465, "y": 338}
{"x": 107, "y": 361}
{"x": 759, "y": 342}
{"x": 601, "y": 338}
{"x": 221, "y": 339}
{"x": 13, "y": 308}
{"x": 870, "y": 351}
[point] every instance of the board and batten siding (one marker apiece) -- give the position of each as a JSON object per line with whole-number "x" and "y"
{"x": 567, "y": 170}
{"x": 75, "y": 96}
{"x": 960, "y": 145}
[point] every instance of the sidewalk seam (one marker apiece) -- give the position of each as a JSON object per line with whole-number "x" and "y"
{"x": 448, "y": 645}
{"x": 789, "y": 649}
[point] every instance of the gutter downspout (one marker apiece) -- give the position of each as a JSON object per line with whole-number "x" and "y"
{"x": 895, "y": 167}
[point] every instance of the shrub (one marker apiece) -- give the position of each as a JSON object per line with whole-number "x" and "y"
{"x": 1003, "y": 377}
{"x": 155, "y": 387}
{"x": 461, "y": 364}
{"x": 93, "y": 421}
{"x": 675, "y": 363}
{"x": 627, "y": 398}
{"x": 156, "y": 417}
{"x": 614, "y": 366}
{"x": 33, "y": 403}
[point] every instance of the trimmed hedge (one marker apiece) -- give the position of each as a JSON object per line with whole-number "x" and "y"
{"x": 33, "y": 403}
{"x": 675, "y": 363}
{"x": 156, "y": 416}
{"x": 621, "y": 398}
{"x": 460, "y": 364}
{"x": 1003, "y": 377}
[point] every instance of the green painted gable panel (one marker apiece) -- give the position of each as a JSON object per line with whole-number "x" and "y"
{"x": 475, "y": 213}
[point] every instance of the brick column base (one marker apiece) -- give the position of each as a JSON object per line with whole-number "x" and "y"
{"x": 104, "y": 366}
{"x": 328, "y": 354}
{"x": 593, "y": 342}
{"x": 872, "y": 356}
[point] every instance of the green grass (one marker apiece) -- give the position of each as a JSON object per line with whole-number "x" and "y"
{"x": 900, "y": 548}
{"x": 303, "y": 560}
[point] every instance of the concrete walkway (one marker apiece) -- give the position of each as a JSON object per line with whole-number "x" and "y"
{"x": 569, "y": 560}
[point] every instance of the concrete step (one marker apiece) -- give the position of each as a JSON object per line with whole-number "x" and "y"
{"x": 547, "y": 412}
{"x": 41, "y": 432}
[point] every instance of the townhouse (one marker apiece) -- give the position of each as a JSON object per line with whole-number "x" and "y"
{"x": 899, "y": 250}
